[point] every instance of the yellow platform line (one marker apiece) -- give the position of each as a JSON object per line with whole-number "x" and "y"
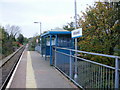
{"x": 30, "y": 77}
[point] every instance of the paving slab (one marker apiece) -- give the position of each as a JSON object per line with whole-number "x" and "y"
{"x": 19, "y": 80}
{"x": 35, "y": 72}
{"x": 46, "y": 76}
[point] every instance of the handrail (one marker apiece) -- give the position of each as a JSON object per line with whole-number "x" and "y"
{"x": 93, "y": 62}
{"x": 105, "y": 55}
{"x": 88, "y": 70}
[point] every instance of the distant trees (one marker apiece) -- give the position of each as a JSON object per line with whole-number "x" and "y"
{"x": 33, "y": 43}
{"x": 20, "y": 38}
{"x": 13, "y": 31}
{"x": 9, "y": 41}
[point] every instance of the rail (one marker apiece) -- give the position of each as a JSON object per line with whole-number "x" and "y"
{"x": 90, "y": 74}
{"x": 8, "y": 66}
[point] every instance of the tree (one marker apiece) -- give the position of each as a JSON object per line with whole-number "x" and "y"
{"x": 33, "y": 43}
{"x": 99, "y": 29}
{"x": 6, "y": 47}
{"x": 101, "y": 32}
{"x": 25, "y": 40}
{"x": 20, "y": 38}
{"x": 69, "y": 26}
{"x": 13, "y": 30}
{"x": 8, "y": 40}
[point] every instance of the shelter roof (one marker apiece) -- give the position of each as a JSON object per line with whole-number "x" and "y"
{"x": 56, "y": 32}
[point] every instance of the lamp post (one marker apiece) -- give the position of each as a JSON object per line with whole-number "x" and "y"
{"x": 75, "y": 76}
{"x": 40, "y": 26}
{"x": 40, "y": 35}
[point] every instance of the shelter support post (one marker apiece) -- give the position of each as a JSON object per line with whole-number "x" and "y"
{"x": 51, "y": 62}
{"x": 45, "y": 48}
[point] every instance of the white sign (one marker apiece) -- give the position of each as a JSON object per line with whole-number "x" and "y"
{"x": 36, "y": 40}
{"x": 77, "y": 33}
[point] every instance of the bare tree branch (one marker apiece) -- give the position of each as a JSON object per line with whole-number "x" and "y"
{"x": 13, "y": 30}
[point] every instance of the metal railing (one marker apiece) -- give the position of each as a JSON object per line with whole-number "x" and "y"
{"x": 38, "y": 48}
{"x": 90, "y": 74}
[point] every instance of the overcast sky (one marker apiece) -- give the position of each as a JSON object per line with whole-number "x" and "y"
{"x": 51, "y": 13}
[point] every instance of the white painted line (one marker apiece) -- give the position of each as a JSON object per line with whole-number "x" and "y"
{"x": 30, "y": 77}
{"x": 11, "y": 79}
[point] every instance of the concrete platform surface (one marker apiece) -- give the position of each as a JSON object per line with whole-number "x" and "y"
{"x": 34, "y": 72}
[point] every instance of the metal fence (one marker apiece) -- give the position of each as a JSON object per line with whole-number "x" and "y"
{"x": 38, "y": 48}
{"x": 87, "y": 73}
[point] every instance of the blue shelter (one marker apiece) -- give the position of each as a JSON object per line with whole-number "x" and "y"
{"x": 55, "y": 38}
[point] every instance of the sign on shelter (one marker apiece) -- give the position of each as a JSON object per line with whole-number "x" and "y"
{"x": 77, "y": 33}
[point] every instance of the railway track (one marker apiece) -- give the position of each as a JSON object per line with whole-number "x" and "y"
{"x": 8, "y": 66}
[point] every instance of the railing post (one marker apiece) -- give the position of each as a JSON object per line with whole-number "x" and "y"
{"x": 116, "y": 73}
{"x": 75, "y": 75}
{"x": 70, "y": 70}
{"x": 55, "y": 57}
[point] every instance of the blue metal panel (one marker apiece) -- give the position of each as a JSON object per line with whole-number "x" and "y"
{"x": 47, "y": 50}
{"x": 64, "y": 51}
{"x": 43, "y": 49}
{"x": 59, "y": 32}
{"x": 66, "y": 60}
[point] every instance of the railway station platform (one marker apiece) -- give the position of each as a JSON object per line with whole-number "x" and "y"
{"x": 34, "y": 71}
